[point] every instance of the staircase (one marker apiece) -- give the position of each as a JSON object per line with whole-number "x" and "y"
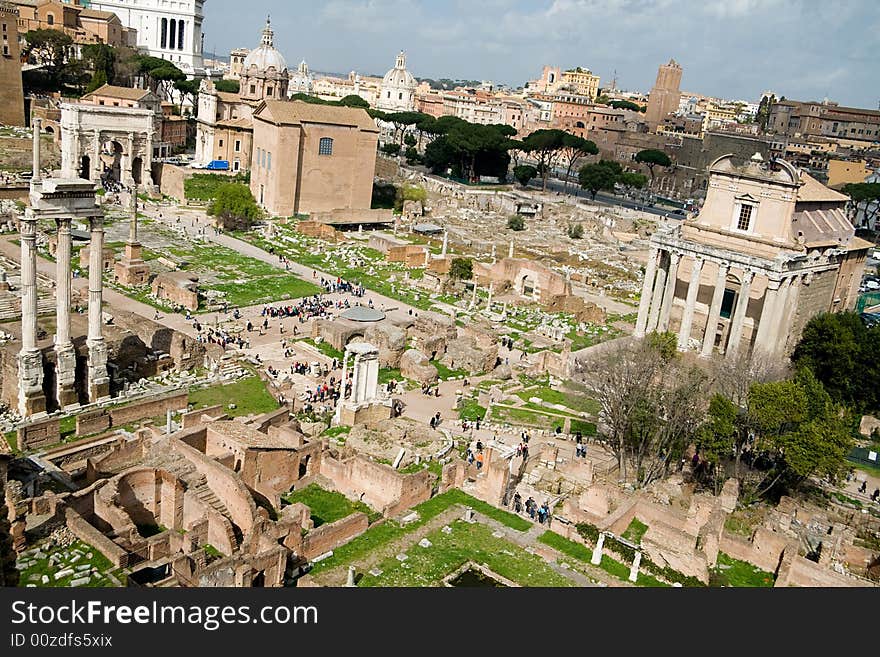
{"x": 207, "y": 496}
{"x": 10, "y": 307}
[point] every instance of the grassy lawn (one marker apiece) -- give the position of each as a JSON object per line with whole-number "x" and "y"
{"x": 325, "y": 348}
{"x": 248, "y": 394}
{"x": 203, "y": 186}
{"x": 732, "y": 572}
{"x": 635, "y": 531}
{"x": 574, "y": 401}
{"x": 335, "y": 432}
{"x": 383, "y": 533}
{"x": 39, "y": 567}
{"x": 266, "y": 290}
{"x": 445, "y": 373}
{"x": 585, "y": 554}
{"x": 467, "y": 542}
{"x": 539, "y": 419}
{"x": 327, "y": 505}
{"x": 12, "y": 440}
{"x": 386, "y": 374}
{"x": 470, "y": 410}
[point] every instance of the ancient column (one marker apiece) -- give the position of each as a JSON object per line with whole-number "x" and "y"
{"x": 779, "y": 330}
{"x": 445, "y": 242}
{"x": 355, "y": 378}
{"x": 597, "y": 551}
{"x": 786, "y": 319}
{"x": 344, "y": 376}
{"x": 657, "y": 297}
{"x": 669, "y": 293}
{"x": 147, "y": 162}
{"x": 65, "y": 355}
{"x": 98, "y": 381}
{"x": 36, "y": 175}
{"x": 510, "y": 250}
{"x": 715, "y": 311}
{"x": 764, "y": 339}
{"x": 634, "y": 569}
{"x": 96, "y": 156}
{"x": 371, "y": 376}
{"x": 647, "y": 290}
{"x": 687, "y": 319}
{"x": 128, "y": 157}
{"x": 493, "y": 253}
{"x": 473, "y": 297}
{"x": 489, "y": 301}
{"x": 31, "y": 399}
{"x": 739, "y": 314}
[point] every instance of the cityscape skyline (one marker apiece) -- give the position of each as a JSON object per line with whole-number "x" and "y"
{"x": 513, "y": 47}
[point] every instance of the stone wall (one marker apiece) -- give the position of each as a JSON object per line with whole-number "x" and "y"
{"x": 812, "y": 299}
{"x": 377, "y": 484}
{"x": 186, "y": 352}
{"x": 170, "y": 179}
{"x": 411, "y": 255}
{"x": 319, "y": 230}
{"x": 89, "y": 534}
{"x": 108, "y": 258}
{"x": 148, "y": 408}
{"x": 331, "y": 535}
{"x": 39, "y": 434}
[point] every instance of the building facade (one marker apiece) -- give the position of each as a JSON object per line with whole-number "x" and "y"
{"x": 85, "y": 25}
{"x": 825, "y": 119}
{"x": 166, "y": 29}
{"x": 312, "y": 158}
{"x": 11, "y": 92}
{"x": 770, "y": 248}
{"x": 665, "y": 95}
{"x": 582, "y": 82}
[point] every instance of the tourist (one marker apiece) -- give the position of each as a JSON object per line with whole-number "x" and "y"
{"x": 864, "y": 487}
{"x": 517, "y": 502}
{"x": 876, "y": 494}
{"x": 479, "y": 460}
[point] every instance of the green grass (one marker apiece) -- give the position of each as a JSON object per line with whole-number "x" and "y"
{"x": 446, "y": 373}
{"x": 585, "y": 554}
{"x": 573, "y": 401}
{"x": 471, "y": 411}
{"x": 211, "y": 551}
{"x": 325, "y": 348}
{"x": 635, "y": 531}
{"x": 249, "y": 394}
{"x": 335, "y": 432}
{"x": 67, "y": 426}
{"x": 448, "y": 552}
{"x": 739, "y": 574}
{"x": 383, "y": 533}
{"x": 327, "y": 506}
{"x": 204, "y": 186}
{"x": 386, "y": 374}
{"x": 32, "y": 574}
{"x": 266, "y": 290}
{"x": 12, "y": 440}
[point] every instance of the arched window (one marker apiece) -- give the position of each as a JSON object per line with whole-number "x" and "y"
{"x": 325, "y": 146}
{"x": 50, "y": 19}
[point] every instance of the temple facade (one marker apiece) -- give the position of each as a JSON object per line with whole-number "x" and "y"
{"x": 771, "y": 248}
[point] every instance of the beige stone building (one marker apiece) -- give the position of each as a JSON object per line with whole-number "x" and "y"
{"x": 581, "y": 81}
{"x": 83, "y": 24}
{"x": 771, "y": 248}
{"x": 11, "y": 94}
{"x": 312, "y": 158}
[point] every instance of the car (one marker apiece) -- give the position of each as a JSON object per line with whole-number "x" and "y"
{"x": 872, "y": 285}
{"x": 218, "y": 165}
{"x": 870, "y": 319}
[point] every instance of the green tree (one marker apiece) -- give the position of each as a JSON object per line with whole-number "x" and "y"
{"x": 228, "y": 86}
{"x": 575, "y": 231}
{"x": 8, "y": 571}
{"x": 461, "y": 269}
{"x": 410, "y": 193}
{"x": 764, "y": 107}
{"x": 625, "y": 104}
{"x": 545, "y": 146}
{"x": 160, "y": 74}
{"x": 410, "y": 140}
{"x": 717, "y": 437}
{"x": 665, "y": 344}
{"x": 189, "y": 89}
{"x": 844, "y": 355}
{"x": 52, "y": 49}
{"x": 524, "y": 174}
{"x": 235, "y": 206}
{"x": 652, "y": 157}
{"x": 353, "y": 100}
{"x": 101, "y": 59}
{"x": 597, "y": 177}
{"x": 516, "y": 222}
{"x": 412, "y": 155}
{"x": 391, "y": 149}
{"x": 99, "y": 79}
{"x": 573, "y": 149}
{"x": 865, "y": 199}
{"x": 633, "y": 180}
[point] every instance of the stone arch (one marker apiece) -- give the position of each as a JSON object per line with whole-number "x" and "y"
{"x": 111, "y": 157}
{"x": 137, "y": 166}
{"x": 528, "y": 286}
{"x": 49, "y": 130}
{"x": 355, "y": 337}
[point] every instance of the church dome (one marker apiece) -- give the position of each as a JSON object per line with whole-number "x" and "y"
{"x": 266, "y": 56}
{"x": 398, "y": 77}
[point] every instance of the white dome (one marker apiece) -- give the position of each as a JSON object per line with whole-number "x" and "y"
{"x": 266, "y": 56}
{"x": 398, "y": 77}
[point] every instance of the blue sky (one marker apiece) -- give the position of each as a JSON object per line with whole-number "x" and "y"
{"x": 803, "y": 49}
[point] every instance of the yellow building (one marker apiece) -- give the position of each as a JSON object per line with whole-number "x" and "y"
{"x": 582, "y": 82}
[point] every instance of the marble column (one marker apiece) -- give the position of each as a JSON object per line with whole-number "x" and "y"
{"x": 765, "y": 336}
{"x": 372, "y": 378}
{"x": 445, "y": 242}
{"x": 127, "y": 158}
{"x": 344, "y": 377}
{"x": 489, "y": 301}
{"x": 31, "y": 399}
{"x": 669, "y": 294}
{"x": 715, "y": 311}
{"x": 35, "y": 165}
{"x": 96, "y": 156}
{"x": 597, "y": 551}
{"x": 739, "y": 314}
{"x": 510, "y": 250}
{"x": 647, "y": 293}
{"x": 657, "y": 297}
{"x": 65, "y": 355}
{"x": 779, "y": 329}
{"x": 787, "y": 318}
{"x": 98, "y": 381}
{"x": 687, "y": 318}
{"x": 473, "y": 297}
{"x": 147, "y": 162}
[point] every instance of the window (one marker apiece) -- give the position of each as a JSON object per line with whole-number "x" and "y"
{"x": 400, "y": 96}
{"x": 6, "y": 50}
{"x": 237, "y": 145}
{"x": 236, "y": 165}
{"x": 268, "y": 161}
{"x": 325, "y": 146}
{"x": 727, "y": 303}
{"x": 744, "y": 219}
{"x": 50, "y": 19}
{"x": 221, "y": 143}
{"x": 268, "y": 91}
{"x": 253, "y": 89}
{"x": 163, "y": 42}
{"x": 180, "y": 35}
{"x": 172, "y": 33}
{"x": 100, "y": 102}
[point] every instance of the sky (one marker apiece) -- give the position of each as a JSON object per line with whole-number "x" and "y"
{"x": 734, "y": 49}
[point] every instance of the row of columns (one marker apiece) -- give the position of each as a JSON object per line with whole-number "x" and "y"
{"x": 30, "y": 361}
{"x": 658, "y": 293}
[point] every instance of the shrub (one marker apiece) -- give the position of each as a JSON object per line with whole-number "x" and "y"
{"x": 235, "y": 207}
{"x": 391, "y": 149}
{"x": 575, "y": 231}
{"x": 516, "y": 222}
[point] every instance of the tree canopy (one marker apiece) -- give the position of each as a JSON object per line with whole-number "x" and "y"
{"x": 844, "y": 355}
{"x": 599, "y": 176}
{"x": 228, "y": 86}
{"x": 545, "y": 146}
{"x": 626, "y": 104}
{"x": 52, "y": 49}
{"x": 573, "y": 149}
{"x": 524, "y": 173}
{"x": 865, "y": 199}
{"x": 652, "y": 157}
{"x": 235, "y": 205}
{"x": 461, "y": 269}
{"x": 470, "y": 150}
